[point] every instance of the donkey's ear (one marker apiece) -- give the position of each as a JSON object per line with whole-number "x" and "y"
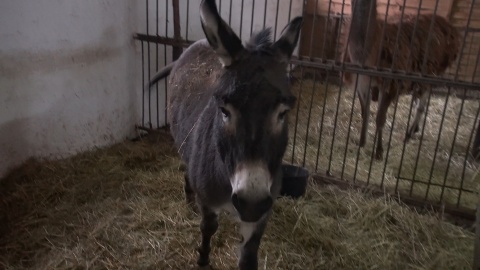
{"x": 220, "y": 36}
{"x": 286, "y": 44}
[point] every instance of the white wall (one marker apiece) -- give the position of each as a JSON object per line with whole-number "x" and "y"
{"x": 70, "y": 71}
{"x": 68, "y": 76}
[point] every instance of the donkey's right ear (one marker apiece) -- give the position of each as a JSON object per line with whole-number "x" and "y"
{"x": 219, "y": 35}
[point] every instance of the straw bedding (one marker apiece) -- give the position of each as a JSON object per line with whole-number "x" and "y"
{"x": 333, "y": 136}
{"x": 123, "y": 208}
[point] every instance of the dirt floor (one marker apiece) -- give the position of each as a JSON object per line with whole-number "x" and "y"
{"x": 324, "y": 138}
{"x": 122, "y": 207}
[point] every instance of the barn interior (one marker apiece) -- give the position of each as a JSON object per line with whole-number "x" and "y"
{"x": 90, "y": 178}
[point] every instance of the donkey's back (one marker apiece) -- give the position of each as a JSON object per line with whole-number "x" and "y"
{"x": 191, "y": 87}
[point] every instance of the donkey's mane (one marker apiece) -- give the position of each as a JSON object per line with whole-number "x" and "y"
{"x": 260, "y": 41}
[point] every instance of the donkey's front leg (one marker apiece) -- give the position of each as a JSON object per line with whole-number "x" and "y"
{"x": 363, "y": 90}
{"x": 208, "y": 226}
{"x": 252, "y": 233}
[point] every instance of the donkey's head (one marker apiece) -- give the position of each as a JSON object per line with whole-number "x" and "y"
{"x": 252, "y": 99}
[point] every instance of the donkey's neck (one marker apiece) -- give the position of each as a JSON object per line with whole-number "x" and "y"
{"x": 363, "y": 29}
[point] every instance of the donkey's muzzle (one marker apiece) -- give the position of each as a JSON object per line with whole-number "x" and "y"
{"x": 251, "y": 211}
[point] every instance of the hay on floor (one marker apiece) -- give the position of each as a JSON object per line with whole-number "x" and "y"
{"x": 328, "y": 130}
{"x": 123, "y": 208}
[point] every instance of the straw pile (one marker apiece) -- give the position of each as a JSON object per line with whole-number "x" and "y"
{"x": 338, "y": 150}
{"x": 123, "y": 208}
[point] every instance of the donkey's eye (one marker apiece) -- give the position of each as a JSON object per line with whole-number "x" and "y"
{"x": 225, "y": 114}
{"x": 281, "y": 115}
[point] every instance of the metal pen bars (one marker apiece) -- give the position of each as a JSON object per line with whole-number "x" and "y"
{"x": 435, "y": 167}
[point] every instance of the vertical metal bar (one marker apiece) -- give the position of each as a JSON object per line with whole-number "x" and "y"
{"x": 265, "y": 14}
{"x": 308, "y": 118}
{"x": 464, "y": 39}
{"x": 165, "y": 61}
{"x": 399, "y": 31}
{"x": 321, "y": 122}
{"x": 389, "y": 141}
{"x": 326, "y": 30}
{"x": 334, "y": 129}
{"x": 252, "y": 18}
{"x": 467, "y": 154}
{"x": 156, "y": 64}
{"x": 276, "y": 21}
{"x": 148, "y": 68}
{"x": 476, "y": 144}
{"x": 241, "y": 20}
{"x": 313, "y": 31}
{"x": 298, "y": 110}
{"x": 177, "y": 50}
{"x": 420, "y": 143}
{"x": 399, "y": 175}
{"x": 381, "y": 88}
{"x": 187, "y": 23}
{"x": 476, "y": 252}
{"x": 230, "y": 15}
{"x": 453, "y": 144}
{"x": 143, "y": 85}
{"x": 411, "y": 102}
{"x": 383, "y": 35}
{"x": 438, "y": 142}
{"x": 289, "y": 10}
{"x": 429, "y": 38}
{"x": 412, "y": 38}
{"x": 337, "y": 42}
{"x": 348, "y": 131}
{"x": 476, "y": 65}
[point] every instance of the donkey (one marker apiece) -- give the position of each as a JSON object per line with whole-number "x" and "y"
{"x": 228, "y": 116}
{"x": 426, "y": 44}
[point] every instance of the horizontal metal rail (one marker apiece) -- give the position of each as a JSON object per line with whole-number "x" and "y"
{"x": 336, "y": 66}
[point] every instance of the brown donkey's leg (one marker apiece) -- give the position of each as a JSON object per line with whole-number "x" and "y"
{"x": 363, "y": 90}
{"x": 421, "y": 104}
{"x": 385, "y": 99}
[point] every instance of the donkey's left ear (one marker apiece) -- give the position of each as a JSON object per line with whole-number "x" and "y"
{"x": 220, "y": 36}
{"x": 286, "y": 44}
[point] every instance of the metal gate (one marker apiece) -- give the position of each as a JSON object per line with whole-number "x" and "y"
{"x": 437, "y": 168}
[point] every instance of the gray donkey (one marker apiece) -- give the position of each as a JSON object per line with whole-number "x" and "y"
{"x": 228, "y": 110}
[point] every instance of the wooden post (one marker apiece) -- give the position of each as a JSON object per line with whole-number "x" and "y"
{"x": 177, "y": 50}
{"x": 476, "y": 251}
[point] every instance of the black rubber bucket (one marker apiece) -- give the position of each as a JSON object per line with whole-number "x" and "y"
{"x": 294, "y": 182}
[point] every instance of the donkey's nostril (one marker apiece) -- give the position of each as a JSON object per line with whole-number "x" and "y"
{"x": 238, "y": 202}
{"x": 265, "y": 204}
{"x": 251, "y": 210}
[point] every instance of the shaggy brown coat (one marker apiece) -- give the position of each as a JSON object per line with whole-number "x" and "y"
{"x": 365, "y": 46}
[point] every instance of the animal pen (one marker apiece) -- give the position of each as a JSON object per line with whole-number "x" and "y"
{"x": 437, "y": 167}
{"x": 122, "y": 206}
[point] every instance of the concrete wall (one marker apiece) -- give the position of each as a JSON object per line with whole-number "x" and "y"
{"x": 70, "y": 72}
{"x": 68, "y": 76}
